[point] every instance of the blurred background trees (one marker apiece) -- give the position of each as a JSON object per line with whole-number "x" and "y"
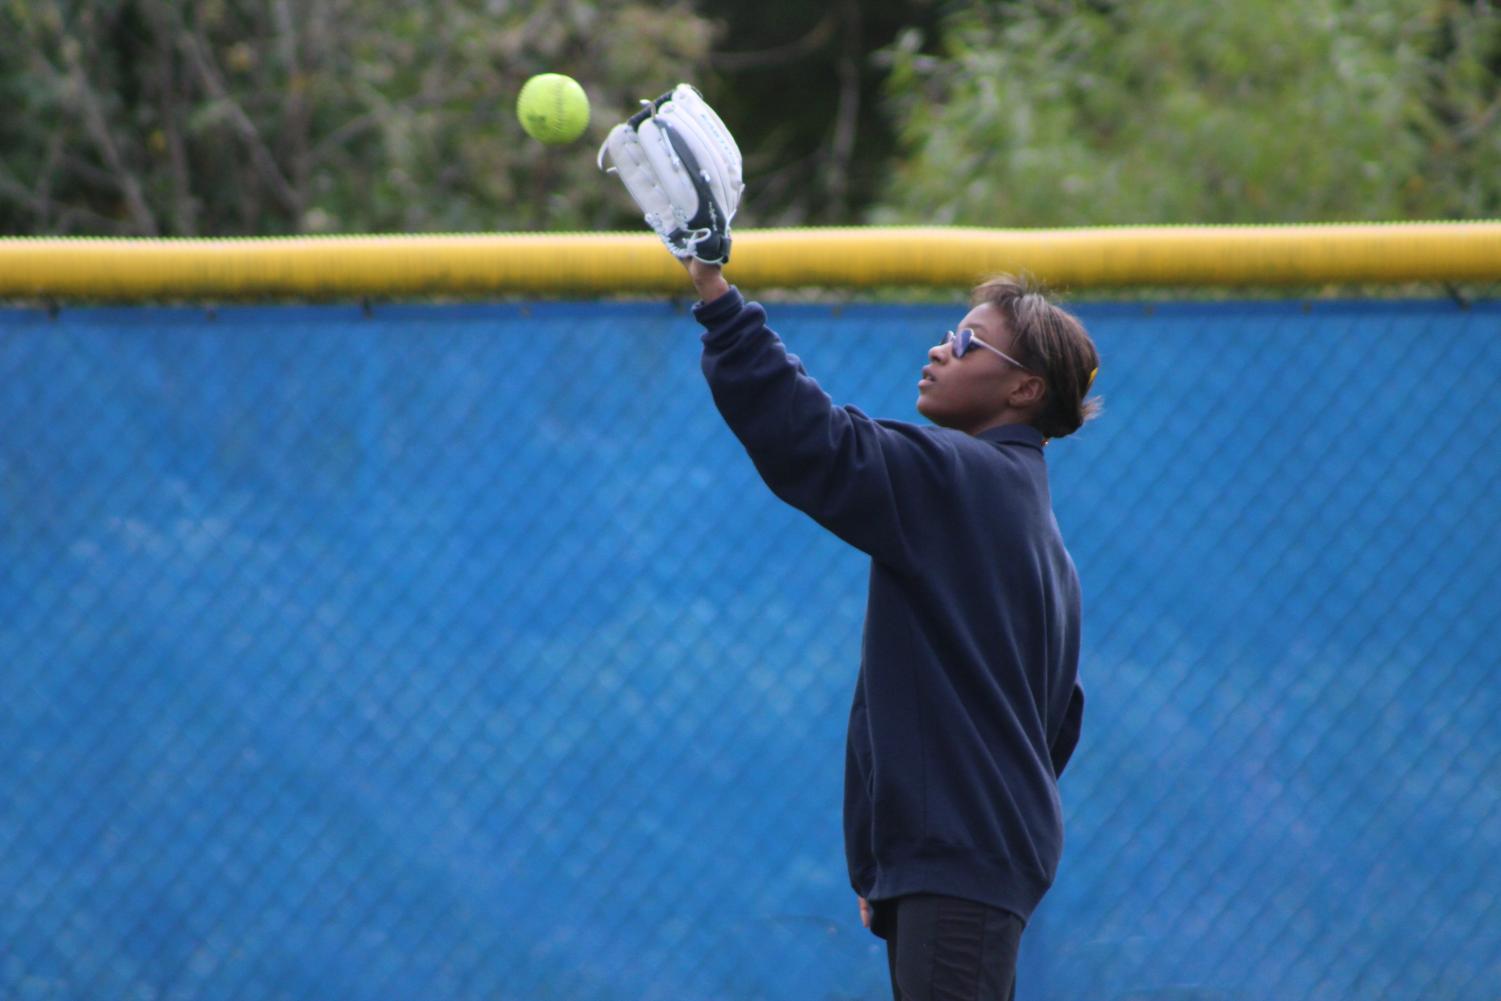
{"x": 182, "y": 117}
{"x": 1074, "y": 112}
{"x": 249, "y": 117}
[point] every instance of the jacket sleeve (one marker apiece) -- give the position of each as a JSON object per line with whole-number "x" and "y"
{"x": 869, "y": 482}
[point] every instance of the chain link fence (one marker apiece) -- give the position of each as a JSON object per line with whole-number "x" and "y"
{"x": 457, "y": 652}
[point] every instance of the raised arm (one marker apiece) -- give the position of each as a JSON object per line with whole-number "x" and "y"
{"x": 869, "y": 482}
{"x": 862, "y": 479}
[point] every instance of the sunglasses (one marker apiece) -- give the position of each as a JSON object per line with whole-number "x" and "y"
{"x": 965, "y": 339}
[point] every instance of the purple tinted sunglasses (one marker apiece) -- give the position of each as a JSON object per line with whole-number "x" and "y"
{"x": 965, "y": 339}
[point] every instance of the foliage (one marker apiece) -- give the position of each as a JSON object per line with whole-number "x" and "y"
{"x": 249, "y": 117}
{"x": 1233, "y": 111}
{"x": 801, "y": 86}
{"x": 252, "y": 117}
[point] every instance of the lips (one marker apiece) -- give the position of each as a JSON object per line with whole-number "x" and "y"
{"x": 927, "y": 376}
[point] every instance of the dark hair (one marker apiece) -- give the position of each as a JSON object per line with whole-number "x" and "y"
{"x": 1051, "y": 342}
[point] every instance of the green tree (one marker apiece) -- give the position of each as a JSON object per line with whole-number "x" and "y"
{"x": 1460, "y": 176}
{"x": 801, "y": 87}
{"x": 226, "y": 117}
{"x": 245, "y": 117}
{"x": 1070, "y": 112}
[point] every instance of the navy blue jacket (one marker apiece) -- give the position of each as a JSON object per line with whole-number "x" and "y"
{"x": 967, "y": 705}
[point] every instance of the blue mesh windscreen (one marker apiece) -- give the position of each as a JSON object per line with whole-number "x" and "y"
{"x": 458, "y": 652}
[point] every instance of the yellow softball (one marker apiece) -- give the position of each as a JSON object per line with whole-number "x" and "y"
{"x": 553, "y": 108}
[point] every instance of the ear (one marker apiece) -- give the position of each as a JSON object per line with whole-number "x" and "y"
{"x": 1028, "y": 392}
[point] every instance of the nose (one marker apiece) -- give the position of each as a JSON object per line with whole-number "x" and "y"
{"x": 936, "y": 352}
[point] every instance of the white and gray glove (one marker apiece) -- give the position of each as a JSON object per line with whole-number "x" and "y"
{"x": 682, "y": 167}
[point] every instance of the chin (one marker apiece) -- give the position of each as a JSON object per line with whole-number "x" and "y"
{"x": 926, "y": 408}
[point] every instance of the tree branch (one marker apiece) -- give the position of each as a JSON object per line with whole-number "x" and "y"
{"x": 20, "y": 193}
{"x": 184, "y": 205}
{"x": 847, "y": 117}
{"x": 260, "y": 155}
{"x": 36, "y": 200}
{"x": 816, "y": 38}
{"x": 352, "y": 127}
{"x": 74, "y": 218}
{"x": 294, "y": 110}
{"x": 141, "y": 216}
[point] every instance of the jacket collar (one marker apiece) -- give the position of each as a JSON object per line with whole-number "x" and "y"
{"x": 1013, "y": 434}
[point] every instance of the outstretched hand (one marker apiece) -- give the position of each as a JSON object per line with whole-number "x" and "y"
{"x": 708, "y": 279}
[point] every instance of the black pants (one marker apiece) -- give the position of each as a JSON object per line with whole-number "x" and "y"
{"x": 947, "y": 949}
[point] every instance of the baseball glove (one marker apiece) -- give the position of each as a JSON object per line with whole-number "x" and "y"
{"x": 682, "y": 167}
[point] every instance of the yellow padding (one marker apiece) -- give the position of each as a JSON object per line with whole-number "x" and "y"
{"x": 396, "y": 266}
